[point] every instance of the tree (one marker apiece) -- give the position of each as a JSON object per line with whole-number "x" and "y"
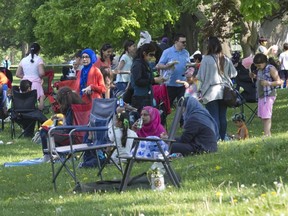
{"x": 64, "y": 26}
{"x": 224, "y": 18}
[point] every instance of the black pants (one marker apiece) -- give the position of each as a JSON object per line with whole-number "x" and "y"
{"x": 175, "y": 92}
{"x": 140, "y": 101}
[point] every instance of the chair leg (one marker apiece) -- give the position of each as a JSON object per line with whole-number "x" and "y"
{"x": 171, "y": 174}
{"x": 63, "y": 164}
{"x": 126, "y": 175}
{"x": 12, "y": 127}
{"x": 119, "y": 167}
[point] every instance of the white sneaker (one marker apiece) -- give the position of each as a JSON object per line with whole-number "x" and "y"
{"x": 8, "y": 119}
{"x": 46, "y": 158}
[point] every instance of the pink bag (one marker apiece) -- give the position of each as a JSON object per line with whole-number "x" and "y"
{"x": 247, "y": 62}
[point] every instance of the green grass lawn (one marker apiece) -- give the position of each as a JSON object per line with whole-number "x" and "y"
{"x": 243, "y": 178}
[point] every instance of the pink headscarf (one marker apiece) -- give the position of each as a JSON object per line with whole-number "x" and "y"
{"x": 154, "y": 127}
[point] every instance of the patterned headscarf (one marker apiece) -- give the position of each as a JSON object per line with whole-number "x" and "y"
{"x": 154, "y": 127}
{"x": 86, "y": 68}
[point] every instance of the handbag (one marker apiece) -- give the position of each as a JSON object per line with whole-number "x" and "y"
{"x": 232, "y": 97}
{"x": 127, "y": 96}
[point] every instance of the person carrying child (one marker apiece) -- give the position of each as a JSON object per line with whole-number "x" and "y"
{"x": 190, "y": 83}
{"x": 242, "y": 132}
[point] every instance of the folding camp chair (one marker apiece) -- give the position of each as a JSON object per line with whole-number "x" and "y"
{"x": 47, "y": 87}
{"x": 24, "y": 112}
{"x": 163, "y": 156}
{"x": 101, "y": 114}
{"x": 248, "y": 86}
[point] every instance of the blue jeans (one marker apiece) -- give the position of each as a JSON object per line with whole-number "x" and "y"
{"x": 218, "y": 110}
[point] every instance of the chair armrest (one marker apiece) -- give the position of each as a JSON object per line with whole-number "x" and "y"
{"x": 151, "y": 139}
{"x": 87, "y": 128}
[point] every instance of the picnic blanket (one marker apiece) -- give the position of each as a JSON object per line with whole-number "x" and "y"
{"x": 29, "y": 162}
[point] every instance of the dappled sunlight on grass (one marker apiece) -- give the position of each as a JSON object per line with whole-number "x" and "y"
{"x": 243, "y": 178}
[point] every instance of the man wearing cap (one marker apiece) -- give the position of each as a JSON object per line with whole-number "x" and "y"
{"x": 164, "y": 43}
{"x": 262, "y": 47}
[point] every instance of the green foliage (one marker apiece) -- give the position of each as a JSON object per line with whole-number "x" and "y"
{"x": 66, "y": 28}
{"x": 257, "y": 9}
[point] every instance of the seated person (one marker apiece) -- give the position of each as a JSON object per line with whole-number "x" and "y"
{"x": 65, "y": 97}
{"x": 28, "y": 119}
{"x": 242, "y": 132}
{"x": 65, "y": 73}
{"x": 151, "y": 123}
{"x": 122, "y": 131}
{"x": 200, "y": 132}
{"x": 149, "y": 126}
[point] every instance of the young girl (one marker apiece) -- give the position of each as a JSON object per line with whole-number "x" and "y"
{"x": 267, "y": 80}
{"x": 190, "y": 83}
{"x": 242, "y": 132}
{"x": 122, "y": 131}
{"x": 125, "y": 63}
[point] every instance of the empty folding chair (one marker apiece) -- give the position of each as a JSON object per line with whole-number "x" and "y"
{"x": 101, "y": 115}
{"x": 162, "y": 158}
{"x": 248, "y": 91}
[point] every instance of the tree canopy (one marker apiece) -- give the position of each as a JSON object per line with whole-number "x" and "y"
{"x": 64, "y": 26}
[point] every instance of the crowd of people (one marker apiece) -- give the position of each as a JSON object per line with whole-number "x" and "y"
{"x": 201, "y": 82}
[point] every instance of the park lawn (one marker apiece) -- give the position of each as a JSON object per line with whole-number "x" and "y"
{"x": 243, "y": 178}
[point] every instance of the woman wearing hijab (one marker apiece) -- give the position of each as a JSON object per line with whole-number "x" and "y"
{"x": 200, "y": 132}
{"x": 151, "y": 123}
{"x": 91, "y": 82}
{"x": 151, "y": 128}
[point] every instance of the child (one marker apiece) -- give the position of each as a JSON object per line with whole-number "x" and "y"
{"x": 267, "y": 80}
{"x": 108, "y": 80}
{"x": 242, "y": 132}
{"x": 190, "y": 83}
{"x": 122, "y": 131}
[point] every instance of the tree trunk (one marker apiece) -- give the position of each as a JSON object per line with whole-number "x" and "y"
{"x": 187, "y": 25}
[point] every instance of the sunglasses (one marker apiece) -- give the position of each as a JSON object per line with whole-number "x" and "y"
{"x": 183, "y": 42}
{"x": 151, "y": 54}
{"x": 86, "y": 56}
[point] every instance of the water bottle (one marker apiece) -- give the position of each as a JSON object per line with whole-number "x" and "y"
{"x": 55, "y": 122}
{"x": 140, "y": 123}
{"x": 121, "y": 102}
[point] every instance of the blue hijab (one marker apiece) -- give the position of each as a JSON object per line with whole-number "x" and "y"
{"x": 195, "y": 110}
{"x": 85, "y": 70}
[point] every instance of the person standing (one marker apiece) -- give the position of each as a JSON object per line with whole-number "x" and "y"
{"x": 164, "y": 43}
{"x": 216, "y": 69}
{"x": 106, "y": 56}
{"x": 267, "y": 81}
{"x": 32, "y": 68}
{"x": 91, "y": 83}
{"x": 6, "y": 63}
{"x": 175, "y": 59}
{"x": 142, "y": 77}
{"x": 283, "y": 59}
{"x": 125, "y": 64}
